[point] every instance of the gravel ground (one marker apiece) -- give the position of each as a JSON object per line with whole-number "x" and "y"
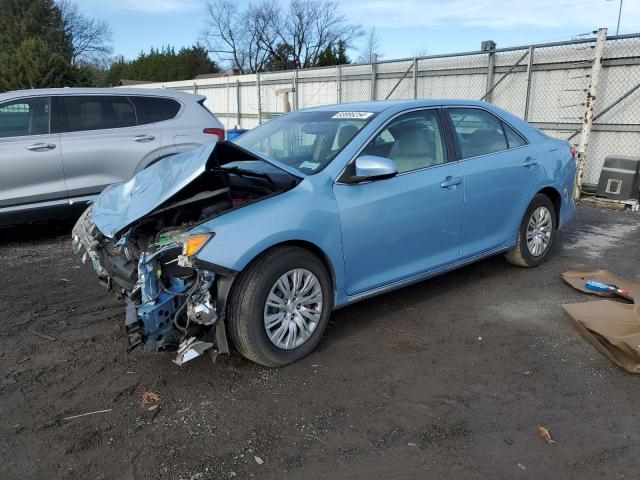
{"x": 449, "y": 378}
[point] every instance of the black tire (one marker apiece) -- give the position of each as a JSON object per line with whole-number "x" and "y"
{"x": 245, "y": 310}
{"x": 521, "y": 254}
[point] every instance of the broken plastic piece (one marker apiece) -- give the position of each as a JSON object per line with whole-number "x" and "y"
{"x": 191, "y": 348}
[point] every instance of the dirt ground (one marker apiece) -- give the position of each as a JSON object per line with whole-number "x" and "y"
{"x": 449, "y": 378}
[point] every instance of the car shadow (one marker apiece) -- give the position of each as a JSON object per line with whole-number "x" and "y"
{"x": 37, "y": 231}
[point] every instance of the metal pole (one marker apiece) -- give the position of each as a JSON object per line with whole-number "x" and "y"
{"x": 195, "y": 87}
{"x": 295, "y": 90}
{"x": 259, "y": 98}
{"x": 619, "y": 15}
{"x": 491, "y": 62}
{"x": 228, "y": 105}
{"x": 587, "y": 121}
{"x": 399, "y": 81}
{"x": 415, "y": 78}
{"x": 238, "y": 119}
{"x": 513, "y": 67}
{"x": 374, "y": 80}
{"x": 529, "y": 75}
{"x": 339, "y": 84}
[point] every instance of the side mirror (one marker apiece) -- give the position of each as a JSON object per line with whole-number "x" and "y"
{"x": 372, "y": 167}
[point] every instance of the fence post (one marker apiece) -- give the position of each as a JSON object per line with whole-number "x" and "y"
{"x": 529, "y": 76}
{"x": 339, "y": 84}
{"x": 238, "y": 119}
{"x": 259, "y": 98}
{"x": 374, "y": 77}
{"x": 415, "y": 78}
{"x": 489, "y": 46}
{"x": 587, "y": 120}
{"x": 195, "y": 88}
{"x": 228, "y": 105}
{"x": 295, "y": 90}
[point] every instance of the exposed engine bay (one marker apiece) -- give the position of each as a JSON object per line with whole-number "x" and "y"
{"x": 174, "y": 301}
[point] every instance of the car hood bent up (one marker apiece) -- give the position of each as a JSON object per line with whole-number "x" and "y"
{"x": 121, "y": 204}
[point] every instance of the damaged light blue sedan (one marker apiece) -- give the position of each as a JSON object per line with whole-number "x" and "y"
{"x": 250, "y": 245}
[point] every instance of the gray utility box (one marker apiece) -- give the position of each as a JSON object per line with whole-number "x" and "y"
{"x": 620, "y": 178}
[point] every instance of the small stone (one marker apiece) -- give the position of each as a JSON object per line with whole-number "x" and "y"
{"x": 521, "y": 466}
{"x": 258, "y": 460}
{"x": 411, "y": 444}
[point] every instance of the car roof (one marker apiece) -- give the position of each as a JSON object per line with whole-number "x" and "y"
{"x": 383, "y": 105}
{"x": 178, "y": 94}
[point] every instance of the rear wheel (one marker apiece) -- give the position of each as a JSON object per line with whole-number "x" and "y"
{"x": 280, "y": 306}
{"x": 536, "y": 233}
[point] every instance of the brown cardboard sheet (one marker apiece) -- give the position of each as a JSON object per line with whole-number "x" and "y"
{"x": 613, "y": 327}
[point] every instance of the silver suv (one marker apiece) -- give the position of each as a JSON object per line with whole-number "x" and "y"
{"x": 60, "y": 147}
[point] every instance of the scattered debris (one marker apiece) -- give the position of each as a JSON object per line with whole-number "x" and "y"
{"x": 65, "y": 280}
{"x": 412, "y": 444}
{"x": 41, "y": 335}
{"x": 613, "y": 327}
{"x": 258, "y": 460}
{"x": 544, "y": 433}
{"x": 521, "y": 466}
{"x": 149, "y": 398}
{"x": 88, "y": 413}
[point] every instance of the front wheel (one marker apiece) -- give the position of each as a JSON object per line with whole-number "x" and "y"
{"x": 536, "y": 234}
{"x": 279, "y": 306}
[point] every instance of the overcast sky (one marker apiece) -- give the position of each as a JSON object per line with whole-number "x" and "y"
{"x": 404, "y": 27}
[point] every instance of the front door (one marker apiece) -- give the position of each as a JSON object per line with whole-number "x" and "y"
{"x": 396, "y": 228}
{"x": 30, "y": 156}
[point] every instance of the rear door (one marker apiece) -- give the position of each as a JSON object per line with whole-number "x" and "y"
{"x": 30, "y": 156}
{"x": 500, "y": 171}
{"x": 102, "y": 142}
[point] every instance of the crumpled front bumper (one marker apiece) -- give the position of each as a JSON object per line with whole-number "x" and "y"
{"x": 171, "y": 303}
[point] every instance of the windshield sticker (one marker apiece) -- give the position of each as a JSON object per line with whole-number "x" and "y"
{"x": 353, "y": 115}
{"x": 310, "y": 165}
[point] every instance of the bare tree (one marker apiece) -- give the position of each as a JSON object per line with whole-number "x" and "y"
{"x": 91, "y": 38}
{"x": 370, "y": 51}
{"x": 233, "y": 36}
{"x": 267, "y": 34}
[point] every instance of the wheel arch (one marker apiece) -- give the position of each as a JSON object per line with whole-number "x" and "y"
{"x": 556, "y": 199}
{"x": 307, "y": 245}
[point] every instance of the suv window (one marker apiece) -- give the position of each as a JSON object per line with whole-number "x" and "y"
{"x": 27, "y": 116}
{"x": 155, "y": 109}
{"x": 96, "y": 113}
{"x": 478, "y": 131}
{"x": 414, "y": 140}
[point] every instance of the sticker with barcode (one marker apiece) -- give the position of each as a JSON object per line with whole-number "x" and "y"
{"x": 310, "y": 165}
{"x": 353, "y": 115}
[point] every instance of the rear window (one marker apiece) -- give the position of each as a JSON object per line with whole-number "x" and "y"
{"x": 96, "y": 113}
{"x": 155, "y": 109}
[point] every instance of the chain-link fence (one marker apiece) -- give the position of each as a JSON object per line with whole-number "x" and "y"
{"x": 550, "y": 85}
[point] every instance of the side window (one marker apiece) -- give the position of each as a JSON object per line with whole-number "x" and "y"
{"x": 478, "y": 132}
{"x": 28, "y": 116}
{"x": 96, "y": 113}
{"x": 513, "y": 138}
{"x": 155, "y": 109}
{"x": 414, "y": 140}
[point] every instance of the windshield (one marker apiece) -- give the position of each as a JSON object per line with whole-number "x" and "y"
{"x": 306, "y": 141}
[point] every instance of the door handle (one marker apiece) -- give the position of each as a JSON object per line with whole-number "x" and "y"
{"x": 41, "y": 147}
{"x": 450, "y": 182}
{"x": 529, "y": 162}
{"x": 144, "y": 138}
